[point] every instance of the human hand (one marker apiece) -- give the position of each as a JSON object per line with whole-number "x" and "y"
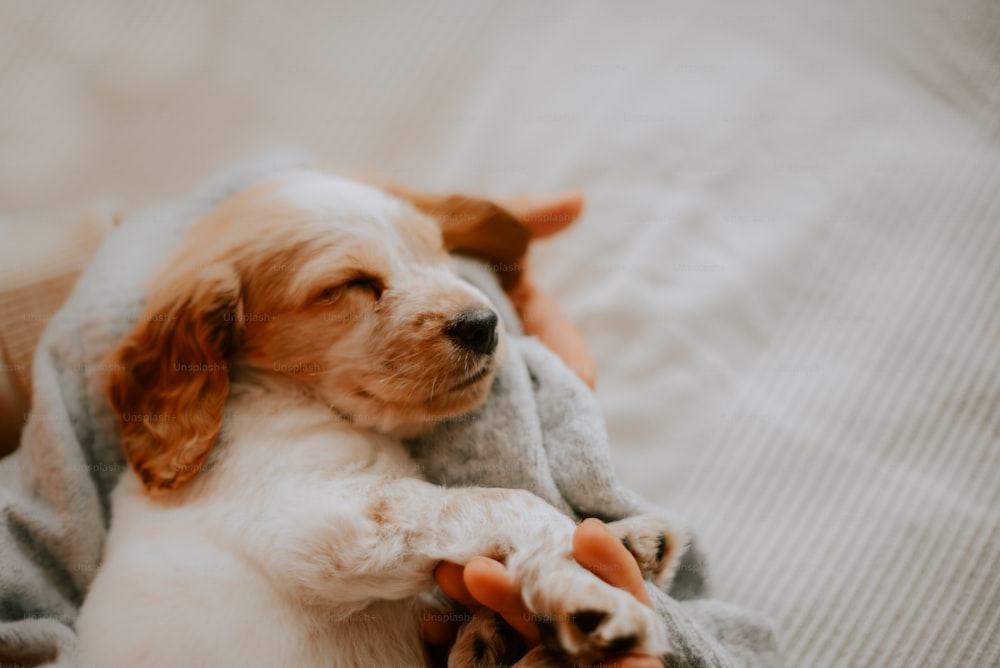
{"x": 484, "y": 586}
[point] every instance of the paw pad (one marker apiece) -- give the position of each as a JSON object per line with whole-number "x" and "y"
{"x": 588, "y": 620}
{"x": 622, "y": 644}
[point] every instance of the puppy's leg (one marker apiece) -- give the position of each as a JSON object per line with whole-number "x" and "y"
{"x": 489, "y": 642}
{"x": 486, "y": 640}
{"x": 368, "y": 537}
{"x": 581, "y": 617}
{"x": 348, "y": 541}
{"x": 539, "y": 657}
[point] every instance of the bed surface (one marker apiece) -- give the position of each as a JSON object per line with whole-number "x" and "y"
{"x": 788, "y": 269}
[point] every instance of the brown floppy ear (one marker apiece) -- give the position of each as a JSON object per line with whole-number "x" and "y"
{"x": 170, "y": 375}
{"x": 478, "y": 227}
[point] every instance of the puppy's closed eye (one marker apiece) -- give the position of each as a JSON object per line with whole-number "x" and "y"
{"x": 369, "y": 283}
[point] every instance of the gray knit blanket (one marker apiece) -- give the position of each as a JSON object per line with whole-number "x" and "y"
{"x": 540, "y": 430}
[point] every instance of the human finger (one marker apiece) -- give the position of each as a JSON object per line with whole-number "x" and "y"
{"x": 492, "y": 586}
{"x": 599, "y": 551}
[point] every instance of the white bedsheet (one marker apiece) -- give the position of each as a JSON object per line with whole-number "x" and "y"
{"x": 788, "y": 269}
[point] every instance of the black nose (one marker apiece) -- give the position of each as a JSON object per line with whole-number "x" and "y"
{"x": 475, "y": 330}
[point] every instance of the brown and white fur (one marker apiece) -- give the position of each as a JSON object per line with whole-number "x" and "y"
{"x": 272, "y": 516}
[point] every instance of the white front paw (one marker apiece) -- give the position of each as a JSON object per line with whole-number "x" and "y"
{"x": 583, "y": 616}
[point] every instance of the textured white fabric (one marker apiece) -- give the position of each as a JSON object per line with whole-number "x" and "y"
{"x": 788, "y": 269}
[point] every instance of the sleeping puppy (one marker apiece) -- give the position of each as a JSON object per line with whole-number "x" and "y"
{"x": 272, "y": 516}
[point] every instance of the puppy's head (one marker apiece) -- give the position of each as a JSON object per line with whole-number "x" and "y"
{"x": 308, "y": 283}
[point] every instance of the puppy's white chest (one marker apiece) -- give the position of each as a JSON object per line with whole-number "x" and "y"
{"x": 292, "y": 439}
